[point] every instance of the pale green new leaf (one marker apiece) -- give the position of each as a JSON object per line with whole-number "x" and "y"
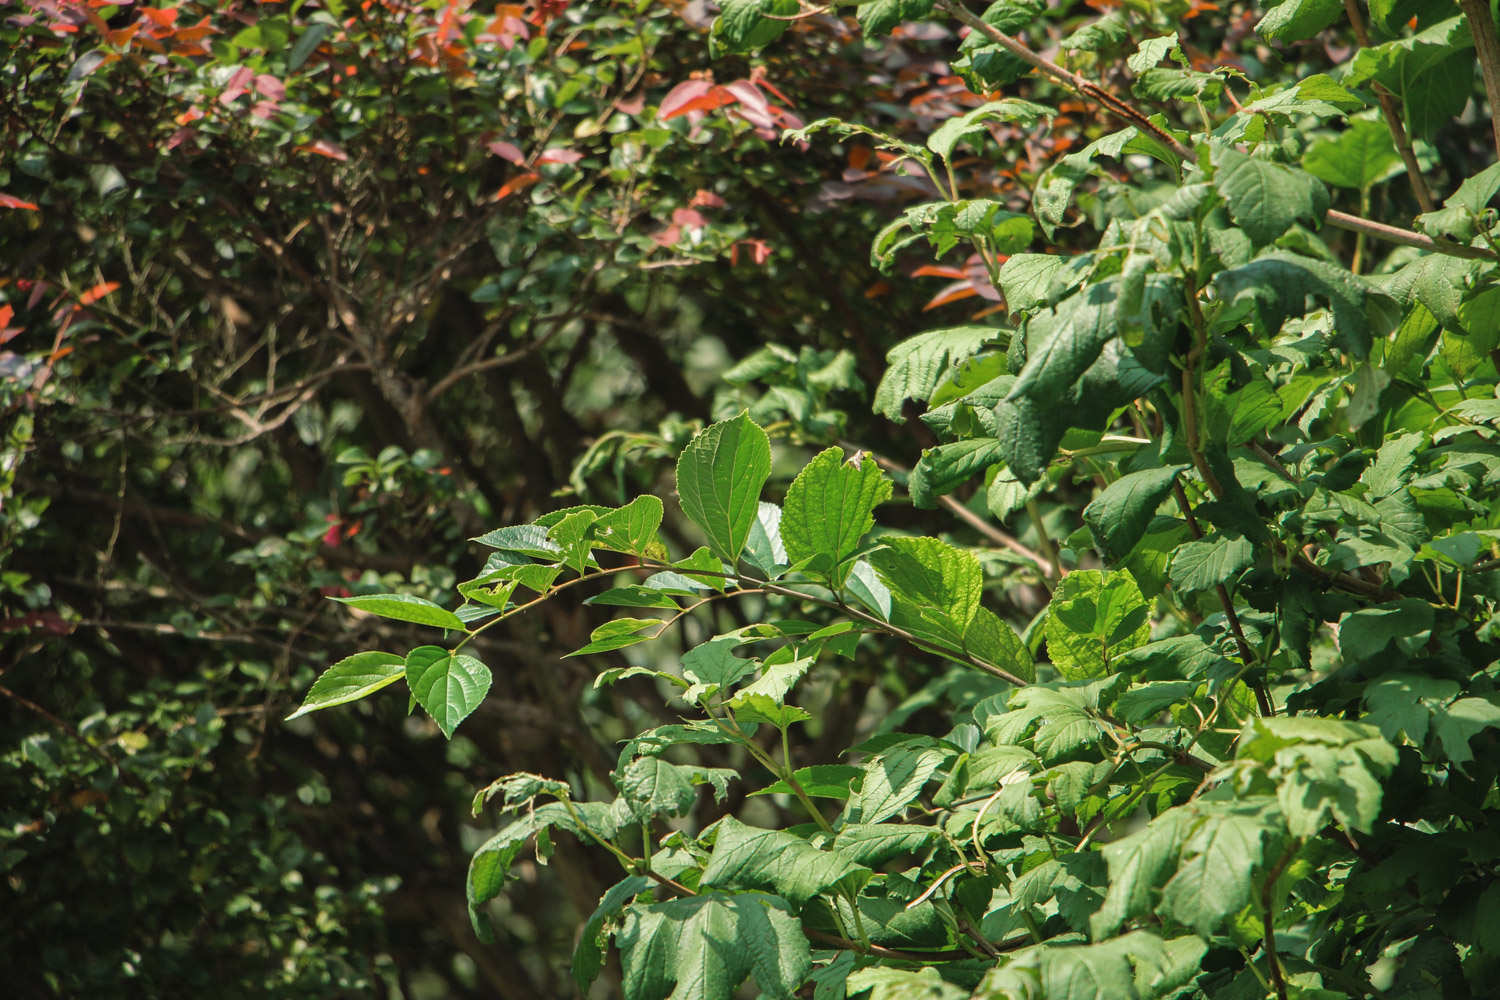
{"x": 937, "y": 584}
{"x": 1094, "y": 617}
{"x": 632, "y": 528}
{"x": 405, "y": 608}
{"x": 448, "y": 685}
{"x": 947, "y": 136}
{"x": 703, "y": 947}
{"x": 719, "y": 478}
{"x": 829, "y": 508}
{"x": 749, "y": 857}
{"x": 351, "y": 679}
{"x": 1360, "y": 157}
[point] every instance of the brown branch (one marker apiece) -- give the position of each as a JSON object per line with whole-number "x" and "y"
{"x": 1487, "y": 49}
{"x": 1392, "y": 114}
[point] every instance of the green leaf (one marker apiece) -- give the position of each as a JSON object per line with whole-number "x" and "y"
{"x": 588, "y": 955}
{"x": 1299, "y": 20}
{"x": 1466, "y": 212}
{"x": 1120, "y": 515}
{"x": 1026, "y": 278}
{"x": 632, "y": 528}
{"x": 877, "y": 843}
{"x": 742, "y": 25}
{"x": 1459, "y": 722}
{"x": 878, "y": 17}
{"x": 619, "y": 633}
{"x": 1360, "y": 157}
{"x": 1094, "y": 617}
{"x": 1204, "y": 564}
{"x": 351, "y": 679}
{"x": 877, "y": 983}
{"x": 706, "y": 945}
{"x": 821, "y": 781}
{"x": 1214, "y": 879}
{"x": 491, "y": 864}
{"x": 1061, "y": 344}
{"x": 1265, "y": 198}
{"x": 996, "y": 643}
{"x": 448, "y": 685}
{"x": 1138, "y": 864}
{"x": 654, "y": 787}
{"x": 1279, "y": 285}
{"x": 522, "y": 539}
{"x": 943, "y": 469}
{"x": 712, "y": 666}
{"x": 719, "y": 478}
{"x": 1405, "y": 703}
{"x": 918, "y": 364}
{"x": 938, "y": 585}
{"x": 405, "y": 608}
{"x": 1366, "y": 632}
{"x": 948, "y": 135}
{"x": 829, "y": 508}
{"x": 1152, "y": 51}
{"x": 749, "y": 857}
{"x": 892, "y": 781}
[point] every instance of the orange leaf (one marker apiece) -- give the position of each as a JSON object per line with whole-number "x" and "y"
{"x": 517, "y": 183}
{"x": 97, "y": 292}
{"x": 11, "y": 201}
{"x": 322, "y": 147}
{"x": 953, "y": 293}
{"x": 938, "y": 271}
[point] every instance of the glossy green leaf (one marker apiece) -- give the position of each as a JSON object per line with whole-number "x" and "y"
{"x": 719, "y": 478}
{"x": 829, "y": 508}
{"x": 1298, "y": 20}
{"x": 619, "y": 633}
{"x": 351, "y": 679}
{"x": 405, "y": 608}
{"x": 936, "y": 583}
{"x": 448, "y": 685}
{"x": 878, "y": 17}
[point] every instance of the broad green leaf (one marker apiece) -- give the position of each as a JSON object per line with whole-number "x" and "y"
{"x": 829, "y": 508}
{"x": 1120, "y": 515}
{"x": 1141, "y": 703}
{"x": 1437, "y": 281}
{"x": 878, "y": 17}
{"x": 719, "y": 478}
{"x": 1026, "y": 280}
{"x": 1405, "y": 703}
{"x": 749, "y": 857}
{"x": 523, "y": 539}
{"x": 703, "y": 947}
{"x": 918, "y": 364}
{"x": 1298, "y": 20}
{"x": 588, "y": 955}
{"x": 1364, "y": 633}
{"x": 1431, "y": 71}
{"x": 1094, "y": 617}
{"x": 1265, "y": 198}
{"x": 1466, "y": 212}
{"x": 491, "y": 864}
{"x": 1152, "y": 51}
{"x": 892, "y": 781}
{"x": 943, "y": 469}
{"x": 864, "y": 584}
{"x": 1360, "y": 157}
{"x": 1133, "y": 967}
{"x": 1324, "y": 770}
{"x": 1215, "y": 875}
{"x": 448, "y": 685}
{"x": 712, "y": 666}
{"x": 351, "y": 679}
{"x": 1138, "y": 864}
{"x": 405, "y": 608}
{"x": 653, "y": 786}
{"x": 821, "y": 781}
{"x": 632, "y": 528}
{"x": 996, "y": 643}
{"x": 1278, "y": 285}
{"x": 619, "y": 633}
{"x": 742, "y": 25}
{"x": 1455, "y": 724}
{"x": 1062, "y": 343}
{"x": 948, "y": 135}
{"x": 938, "y": 584}
{"x": 876, "y": 843}
{"x": 1204, "y": 564}
{"x": 764, "y": 549}
{"x": 878, "y": 983}
{"x": 753, "y": 708}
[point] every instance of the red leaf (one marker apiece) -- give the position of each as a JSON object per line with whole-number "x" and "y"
{"x": 11, "y": 201}
{"x": 667, "y": 237}
{"x": 631, "y": 105}
{"x": 506, "y": 151}
{"x": 693, "y": 95}
{"x": 559, "y": 155}
{"x": 689, "y": 218}
{"x": 717, "y": 97}
{"x": 269, "y": 87}
{"x": 237, "y": 85}
{"x": 97, "y": 292}
{"x": 759, "y": 250}
{"x": 939, "y": 271}
{"x": 322, "y": 147}
{"x": 953, "y": 293}
{"x": 160, "y": 17}
{"x": 706, "y": 199}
